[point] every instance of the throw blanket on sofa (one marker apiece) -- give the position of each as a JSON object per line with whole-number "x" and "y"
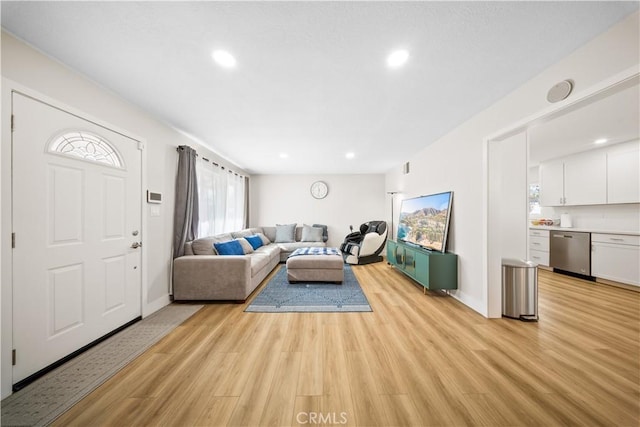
{"x": 316, "y": 250}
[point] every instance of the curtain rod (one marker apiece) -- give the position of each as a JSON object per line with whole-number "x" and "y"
{"x": 181, "y": 147}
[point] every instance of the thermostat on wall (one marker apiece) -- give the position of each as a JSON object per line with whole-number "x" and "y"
{"x": 154, "y": 197}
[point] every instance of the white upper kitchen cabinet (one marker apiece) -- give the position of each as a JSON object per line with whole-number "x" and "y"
{"x": 552, "y": 183}
{"x": 585, "y": 179}
{"x": 623, "y": 166}
{"x": 580, "y": 179}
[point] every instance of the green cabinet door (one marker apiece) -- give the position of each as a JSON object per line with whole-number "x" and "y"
{"x": 422, "y": 269}
{"x": 410, "y": 261}
{"x": 391, "y": 252}
{"x": 443, "y": 271}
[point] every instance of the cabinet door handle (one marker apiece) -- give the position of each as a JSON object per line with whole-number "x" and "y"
{"x": 616, "y": 239}
{"x": 535, "y": 243}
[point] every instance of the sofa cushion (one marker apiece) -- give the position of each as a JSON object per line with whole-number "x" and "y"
{"x": 204, "y": 245}
{"x": 246, "y": 232}
{"x": 258, "y": 262}
{"x": 272, "y": 251}
{"x": 246, "y": 246}
{"x": 285, "y": 233}
{"x": 255, "y": 241}
{"x": 232, "y": 247}
{"x": 270, "y": 233}
{"x": 311, "y": 234}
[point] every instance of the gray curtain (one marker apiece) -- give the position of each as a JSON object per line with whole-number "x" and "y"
{"x": 185, "y": 219}
{"x": 246, "y": 202}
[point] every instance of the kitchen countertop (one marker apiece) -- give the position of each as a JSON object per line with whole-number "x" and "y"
{"x": 585, "y": 230}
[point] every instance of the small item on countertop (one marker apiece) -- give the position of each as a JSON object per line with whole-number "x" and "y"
{"x": 565, "y": 220}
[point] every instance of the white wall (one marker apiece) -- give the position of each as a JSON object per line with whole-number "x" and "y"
{"x": 457, "y": 161}
{"x": 513, "y": 204}
{"x": 30, "y": 69}
{"x": 284, "y": 199}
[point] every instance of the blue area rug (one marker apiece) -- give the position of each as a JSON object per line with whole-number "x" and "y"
{"x": 278, "y": 296}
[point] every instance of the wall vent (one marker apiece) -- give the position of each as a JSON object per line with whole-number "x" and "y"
{"x": 405, "y": 168}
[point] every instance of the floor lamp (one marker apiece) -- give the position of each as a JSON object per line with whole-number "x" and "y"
{"x": 393, "y": 193}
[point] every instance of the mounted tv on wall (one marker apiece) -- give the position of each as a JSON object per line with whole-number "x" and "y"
{"x": 424, "y": 220}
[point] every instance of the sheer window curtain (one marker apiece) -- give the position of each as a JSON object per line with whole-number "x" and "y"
{"x": 235, "y": 202}
{"x": 222, "y": 199}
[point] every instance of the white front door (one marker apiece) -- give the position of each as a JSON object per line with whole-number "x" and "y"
{"x": 76, "y": 217}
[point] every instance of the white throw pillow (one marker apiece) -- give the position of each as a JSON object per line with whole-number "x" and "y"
{"x": 246, "y": 246}
{"x": 285, "y": 233}
{"x": 311, "y": 234}
{"x": 265, "y": 239}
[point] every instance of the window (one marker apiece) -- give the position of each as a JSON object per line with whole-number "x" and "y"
{"x": 534, "y": 199}
{"x": 221, "y": 201}
{"x": 86, "y": 146}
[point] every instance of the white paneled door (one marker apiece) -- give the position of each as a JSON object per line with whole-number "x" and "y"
{"x": 76, "y": 220}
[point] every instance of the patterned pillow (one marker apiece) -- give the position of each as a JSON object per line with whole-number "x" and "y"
{"x": 232, "y": 247}
{"x": 255, "y": 241}
{"x": 285, "y": 233}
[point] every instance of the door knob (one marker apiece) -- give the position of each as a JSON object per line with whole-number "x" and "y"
{"x": 136, "y": 245}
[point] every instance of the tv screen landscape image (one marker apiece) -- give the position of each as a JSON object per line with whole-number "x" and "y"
{"x": 424, "y": 220}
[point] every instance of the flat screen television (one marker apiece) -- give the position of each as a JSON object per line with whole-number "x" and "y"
{"x": 424, "y": 220}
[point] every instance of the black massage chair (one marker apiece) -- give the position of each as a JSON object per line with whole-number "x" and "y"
{"x": 364, "y": 246}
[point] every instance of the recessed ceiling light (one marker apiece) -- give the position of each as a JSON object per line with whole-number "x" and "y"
{"x": 350, "y": 155}
{"x": 600, "y": 141}
{"x": 397, "y": 58}
{"x": 224, "y": 58}
{"x": 284, "y": 155}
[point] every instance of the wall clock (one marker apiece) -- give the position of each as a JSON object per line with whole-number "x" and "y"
{"x": 319, "y": 189}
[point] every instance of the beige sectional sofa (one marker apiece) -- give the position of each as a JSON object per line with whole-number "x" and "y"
{"x": 201, "y": 274}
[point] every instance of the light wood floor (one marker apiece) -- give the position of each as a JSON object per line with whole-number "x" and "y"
{"x": 416, "y": 360}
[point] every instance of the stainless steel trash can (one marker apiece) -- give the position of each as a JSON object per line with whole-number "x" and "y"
{"x": 520, "y": 289}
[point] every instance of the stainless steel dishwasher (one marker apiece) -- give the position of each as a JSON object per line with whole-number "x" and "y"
{"x": 570, "y": 251}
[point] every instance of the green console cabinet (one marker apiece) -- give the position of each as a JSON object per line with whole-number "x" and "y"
{"x": 433, "y": 270}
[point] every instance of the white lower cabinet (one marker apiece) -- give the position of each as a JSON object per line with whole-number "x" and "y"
{"x": 615, "y": 257}
{"x": 539, "y": 247}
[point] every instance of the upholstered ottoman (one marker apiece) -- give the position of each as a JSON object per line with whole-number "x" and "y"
{"x": 315, "y": 265}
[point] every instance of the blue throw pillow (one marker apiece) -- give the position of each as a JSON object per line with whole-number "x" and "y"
{"x": 232, "y": 247}
{"x": 254, "y": 240}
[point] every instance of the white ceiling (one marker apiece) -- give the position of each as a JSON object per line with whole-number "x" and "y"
{"x": 311, "y": 79}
